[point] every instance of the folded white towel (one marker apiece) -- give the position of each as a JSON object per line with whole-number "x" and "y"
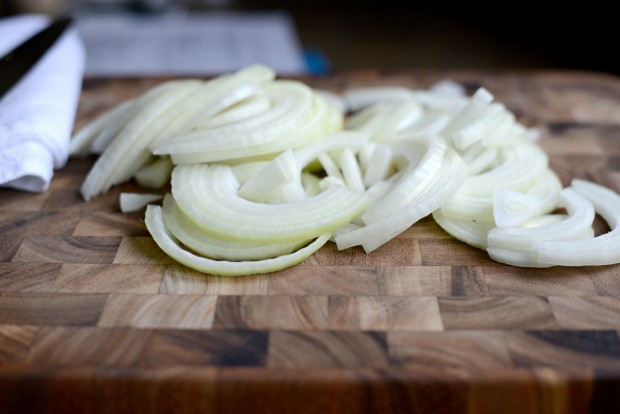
{"x": 37, "y": 114}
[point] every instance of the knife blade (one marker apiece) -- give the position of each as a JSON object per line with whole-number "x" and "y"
{"x": 16, "y": 63}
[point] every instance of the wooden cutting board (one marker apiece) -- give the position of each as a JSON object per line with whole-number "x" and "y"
{"x": 94, "y": 318}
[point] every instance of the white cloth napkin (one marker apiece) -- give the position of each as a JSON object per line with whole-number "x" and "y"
{"x": 37, "y": 114}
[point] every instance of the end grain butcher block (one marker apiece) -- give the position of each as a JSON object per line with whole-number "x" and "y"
{"x": 94, "y": 318}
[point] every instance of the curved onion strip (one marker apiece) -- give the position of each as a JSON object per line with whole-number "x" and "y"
{"x": 523, "y": 258}
{"x": 320, "y": 120}
{"x": 128, "y": 152}
{"x": 251, "y": 107}
{"x": 97, "y": 135}
{"x": 330, "y": 167}
{"x": 129, "y": 202}
{"x": 600, "y": 250}
{"x": 359, "y": 98}
{"x": 155, "y": 175}
{"x": 181, "y": 114}
{"x": 578, "y": 223}
{"x": 474, "y": 108}
{"x": 228, "y": 90}
{"x": 334, "y": 99}
{"x": 508, "y": 132}
{"x": 522, "y": 166}
{"x": 379, "y": 165}
{"x": 208, "y": 195}
{"x": 166, "y": 241}
{"x": 445, "y": 183}
{"x": 292, "y": 104}
{"x": 351, "y": 171}
{"x": 331, "y": 142}
{"x": 82, "y": 140}
{"x": 513, "y": 208}
{"x": 412, "y": 182}
{"x": 480, "y": 162}
{"x": 484, "y": 125}
{"x": 279, "y": 171}
{"x": 203, "y": 243}
{"x": 468, "y": 231}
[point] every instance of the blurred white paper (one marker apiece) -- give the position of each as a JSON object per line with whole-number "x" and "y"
{"x": 189, "y": 44}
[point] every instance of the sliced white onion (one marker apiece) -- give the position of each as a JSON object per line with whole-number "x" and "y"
{"x": 600, "y": 250}
{"x": 472, "y": 232}
{"x": 264, "y": 168}
{"x": 166, "y": 241}
{"x": 520, "y": 168}
{"x": 359, "y": 98}
{"x": 130, "y": 202}
{"x": 577, "y": 225}
{"x": 412, "y": 182}
{"x": 513, "y": 208}
{"x": 379, "y": 165}
{"x": 444, "y": 184}
{"x": 128, "y": 152}
{"x": 155, "y": 175}
{"x": 82, "y": 142}
{"x": 253, "y": 106}
{"x": 214, "y": 248}
{"x": 281, "y": 170}
{"x": 298, "y": 117}
{"x": 208, "y": 195}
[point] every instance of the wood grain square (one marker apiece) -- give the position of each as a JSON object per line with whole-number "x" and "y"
{"x": 515, "y": 281}
{"x": 20, "y": 201}
{"x": 71, "y": 346}
{"x": 451, "y": 252}
{"x": 111, "y": 224}
{"x": 207, "y": 347}
{"x": 437, "y": 351}
{"x": 580, "y": 166}
{"x": 70, "y": 199}
{"x": 44, "y": 390}
{"x": 271, "y": 312}
{"x": 324, "y": 280}
{"x": 383, "y": 313}
{"x": 606, "y": 279}
{"x": 308, "y": 349}
{"x": 108, "y": 278}
{"x": 15, "y": 342}
{"x": 52, "y": 223}
{"x": 141, "y": 250}
{"x": 159, "y": 311}
{"x": 50, "y": 309}
{"x": 28, "y": 277}
{"x": 564, "y": 348}
{"x": 399, "y": 251}
{"x": 586, "y": 312}
{"x": 415, "y": 280}
{"x": 575, "y": 140}
{"x": 9, "y": 246}
{"x": 56, "y": 249}
{"x": 182, "y": 390}
{"x": 467, "y": 281}
{"x": 179, "y": 279}
{"x": 496, "y": 312}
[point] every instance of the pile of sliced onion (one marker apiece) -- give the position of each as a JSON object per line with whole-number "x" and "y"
{"x": 263, "y": 172}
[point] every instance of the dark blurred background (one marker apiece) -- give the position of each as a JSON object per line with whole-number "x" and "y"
{"x": 392, "y": 34}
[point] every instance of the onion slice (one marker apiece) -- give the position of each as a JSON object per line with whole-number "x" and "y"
{"x": 443, "y": 186}
{"x": 167, "y": 242}
{"x": 206, "y": 245}
{"x": 208, "y": 195}
{"x": 600, "y": 250}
